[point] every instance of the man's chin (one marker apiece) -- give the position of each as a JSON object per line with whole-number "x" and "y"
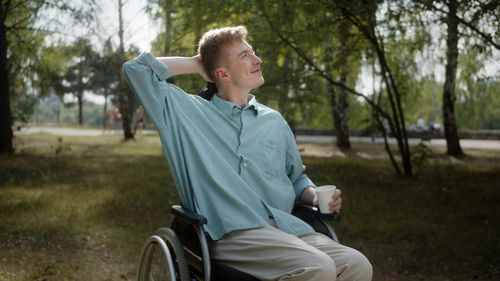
{"x": 258, "y": 83}
{"x": 261, "y": 81}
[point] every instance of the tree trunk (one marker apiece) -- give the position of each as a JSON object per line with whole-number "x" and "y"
{"x": 80, "y": 108}
{"x": 166, "y": 48}
{"x": 341, "y": 127}
{"x": 341, "y": 111}
{"x": 340, "y": 116}
{"x": 80, "y": 92}
{"x": 6, "y": 135}
{"x": 123, "y": 105}
{"x": 105, "y": 108}
{"x": 333, "y": 105}
{"x": 450, "y": 127}
{"x": 122, "y": 95}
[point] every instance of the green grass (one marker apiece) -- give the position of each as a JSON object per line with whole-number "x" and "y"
{"x": 84, "y": 213}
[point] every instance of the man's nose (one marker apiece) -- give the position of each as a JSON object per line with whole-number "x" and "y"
{"x": 257, "y": 60}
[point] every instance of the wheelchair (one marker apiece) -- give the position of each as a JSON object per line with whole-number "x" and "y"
{"x": 180, "y": 252}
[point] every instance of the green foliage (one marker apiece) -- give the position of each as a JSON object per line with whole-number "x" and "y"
{"x": 421, "y": 154}
{"x": 35, "y": 68}
{"x": 291, "y": 86}
{"x": 478, "y": 101}
{"x": 61, "y": 147}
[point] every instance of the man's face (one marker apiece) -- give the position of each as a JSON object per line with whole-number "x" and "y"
{"x": 242, "y": 65}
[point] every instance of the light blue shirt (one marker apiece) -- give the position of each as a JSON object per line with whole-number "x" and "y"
{"x": 236, "y": 166}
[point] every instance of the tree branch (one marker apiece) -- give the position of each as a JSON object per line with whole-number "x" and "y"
{"x": 319, "y": 71}
{"x": 486, "y": 37}
{"x": 13, "y": 26}
{"x": 6, "y": 8}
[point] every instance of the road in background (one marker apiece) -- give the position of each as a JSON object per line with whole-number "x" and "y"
{"x": 465, "y": 143}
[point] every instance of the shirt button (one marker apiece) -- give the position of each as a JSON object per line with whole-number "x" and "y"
{"x": 241, "y": 149}
{"x": 244, "y": 164}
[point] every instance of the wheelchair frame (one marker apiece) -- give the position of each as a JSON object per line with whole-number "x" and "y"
{"x": 185, "y": 247}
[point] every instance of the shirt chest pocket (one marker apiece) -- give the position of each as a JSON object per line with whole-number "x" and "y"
{"x": 272, "y": 157}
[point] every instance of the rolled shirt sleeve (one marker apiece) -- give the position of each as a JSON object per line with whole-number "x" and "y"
{"x": 146, "y": 75}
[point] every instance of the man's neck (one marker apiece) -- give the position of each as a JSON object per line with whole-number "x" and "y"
{"x": 237, "y": 96}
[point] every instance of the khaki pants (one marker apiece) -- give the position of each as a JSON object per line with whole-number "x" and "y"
{"x": 270, "y": 254}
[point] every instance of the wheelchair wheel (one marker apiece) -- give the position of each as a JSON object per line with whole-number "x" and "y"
{"x": 162, "y": 258}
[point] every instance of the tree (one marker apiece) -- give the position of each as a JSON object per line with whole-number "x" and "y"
{"x": 6, "y": 114}
{"x": 165, "y": 11}
{"x": 477, "y": 17}
{"x": 477, "y": 103}
{"x": 362, "y": 17}
{"x": 18, "y": 28}
{"x": 340, "y": 106}
{"x": 51, "y": 72}
{"x": 450, "y": 126}
{"x": 79, "y": 76}
{"x": 123, "y": 101}
{"x": 106, "y": 66}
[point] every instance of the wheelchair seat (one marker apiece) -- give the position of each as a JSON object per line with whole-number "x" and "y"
{"x": 180, "y": 252}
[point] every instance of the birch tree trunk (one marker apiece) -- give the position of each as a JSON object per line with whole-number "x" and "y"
{"x": 450, "y": 127}
{"x": 341, "y": 111}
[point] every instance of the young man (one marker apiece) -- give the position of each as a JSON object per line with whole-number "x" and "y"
{"x": 236, "y": 162}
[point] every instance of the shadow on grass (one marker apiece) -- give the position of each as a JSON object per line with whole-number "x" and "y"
{"x": 88, "y": 210}
{"x": 442, "y": 224}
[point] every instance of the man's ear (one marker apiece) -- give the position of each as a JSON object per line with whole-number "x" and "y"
{"x": 221, "y": 74}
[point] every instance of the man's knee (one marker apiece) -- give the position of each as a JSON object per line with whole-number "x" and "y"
{"x": 318, "y": 266}
{"x": 328, "y": 267}
{"x": 358, "y": 267}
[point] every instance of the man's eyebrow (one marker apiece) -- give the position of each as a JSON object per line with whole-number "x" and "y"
{"x": 245, "y": 51}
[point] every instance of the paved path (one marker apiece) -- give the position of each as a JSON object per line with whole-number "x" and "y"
{"x": 73, "y": 131}
{"x": 465, "y": 143}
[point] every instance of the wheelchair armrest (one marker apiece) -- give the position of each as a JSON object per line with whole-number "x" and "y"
{"x": 312, "y": 211}
{"x": 189, "y": 217}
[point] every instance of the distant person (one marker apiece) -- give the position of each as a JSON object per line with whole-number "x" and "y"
{"x": 107, "y": 119}
{"x": 236, "y": 162}
{"x": 387, "y": 128}
{"x": 421, "y": 124}
{"x": 140, "y": 121}
{"x": 117, "y": 119}
{"x": 437, "y": 127}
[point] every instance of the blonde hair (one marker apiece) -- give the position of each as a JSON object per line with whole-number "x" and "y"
{"x": 212, "y": 43}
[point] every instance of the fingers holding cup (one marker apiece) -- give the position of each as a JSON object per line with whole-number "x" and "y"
{"x": 336, "y": 202}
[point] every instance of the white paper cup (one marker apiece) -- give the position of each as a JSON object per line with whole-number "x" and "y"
{"x": 324, "y": 194}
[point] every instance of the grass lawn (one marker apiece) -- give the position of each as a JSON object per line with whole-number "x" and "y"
{"x": 84, "y": 213}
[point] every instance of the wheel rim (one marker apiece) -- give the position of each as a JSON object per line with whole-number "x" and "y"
{"x": 177, "y": 253}
{"x": 160, "y": 269}
{"x": 156, "y": 261}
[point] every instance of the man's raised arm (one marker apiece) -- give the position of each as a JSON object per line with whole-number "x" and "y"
{"x": 184, "y": 65}
{"x": 146, "y": 75}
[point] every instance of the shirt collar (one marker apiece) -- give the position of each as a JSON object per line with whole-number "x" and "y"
{"x": 228, "y": 107}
